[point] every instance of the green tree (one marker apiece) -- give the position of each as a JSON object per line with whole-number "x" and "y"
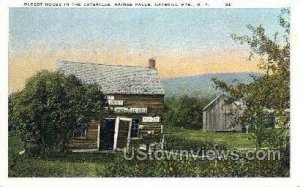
{"x": 269, "y": 93}
{"x": 50, "y": 106}
{"x": 184, "y": 112}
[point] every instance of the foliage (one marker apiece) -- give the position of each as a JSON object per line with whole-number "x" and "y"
{"x": 267, "y": 94}
{"x": 118, "y": 167}
{"x": 114, "y": 165}
{"x": 195, "y": 168}
{"x": 47, "y": 110}
{"x": 185, "y": 112}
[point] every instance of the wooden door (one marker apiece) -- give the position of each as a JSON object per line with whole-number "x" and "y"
{"x": 124, "y": 131}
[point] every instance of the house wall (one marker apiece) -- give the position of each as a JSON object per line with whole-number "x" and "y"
{"x": 90, "y": 142}
{"x": 154, "y": 105}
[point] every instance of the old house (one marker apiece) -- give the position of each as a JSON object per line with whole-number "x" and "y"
{"x": 135, "y": 97}
{"x": 219, "y": 114}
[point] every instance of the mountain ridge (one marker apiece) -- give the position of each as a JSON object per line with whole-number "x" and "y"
{"x": 202, "y": 85}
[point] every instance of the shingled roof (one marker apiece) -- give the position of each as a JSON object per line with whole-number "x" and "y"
{"x": 116, "y": 79}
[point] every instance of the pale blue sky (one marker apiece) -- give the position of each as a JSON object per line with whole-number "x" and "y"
{"x": 144, "y": 29}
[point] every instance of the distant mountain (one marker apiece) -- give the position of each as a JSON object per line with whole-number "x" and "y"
{"x": 202, "y": 85}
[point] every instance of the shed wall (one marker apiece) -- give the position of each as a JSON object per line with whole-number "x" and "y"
{"x": 220, "y": 115}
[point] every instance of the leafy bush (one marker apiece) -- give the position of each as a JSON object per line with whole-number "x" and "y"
{"x": 195, "y": 168}
{"x": 47, "y": 110}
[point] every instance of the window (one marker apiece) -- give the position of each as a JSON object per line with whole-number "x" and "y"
{"x": 135, "y": 128}
{"x": 80, "y": 131}
{"x": 110, "y": 97}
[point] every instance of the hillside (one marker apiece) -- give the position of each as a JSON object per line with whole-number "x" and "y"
{"x": 202, "y": 85}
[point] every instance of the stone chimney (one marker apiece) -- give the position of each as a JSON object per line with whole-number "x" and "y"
{"x": 151, "y": 63}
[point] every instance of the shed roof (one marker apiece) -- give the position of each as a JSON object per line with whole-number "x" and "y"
{"x": 116, "y": 79}
{"x": 214, "y": 100}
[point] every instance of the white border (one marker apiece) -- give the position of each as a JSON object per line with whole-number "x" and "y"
{"x": 295, "y": 91}
{"x": 294, "y": 180}
{"x": 211, "y": 3}
{"x": 3, "y": 92}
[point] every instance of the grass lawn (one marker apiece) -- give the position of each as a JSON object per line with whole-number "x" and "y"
{"x": 114, "y": 165}
{"x": 55, "y": 165}
{"x": 233, "y": 140}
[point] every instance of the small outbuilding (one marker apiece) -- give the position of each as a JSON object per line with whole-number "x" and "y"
{"x": 220, "y": 113}
{"x": 135, "y": 97}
